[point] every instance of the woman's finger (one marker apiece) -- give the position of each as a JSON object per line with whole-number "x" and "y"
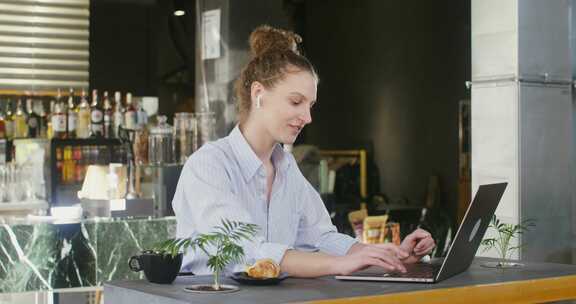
{"x": 424, "y": 243}
{"x": 428, "y": 243}
{"x": 380, "y": 263}
{"x": 426, "y": 250}
{"x": 391, "y": 259}
{"x": 397, "y": 251}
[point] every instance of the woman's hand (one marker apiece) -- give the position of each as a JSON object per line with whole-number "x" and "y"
{"x": 360, "y": 256}
{"x": 417, "y": 244}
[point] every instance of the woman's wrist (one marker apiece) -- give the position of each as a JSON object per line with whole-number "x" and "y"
{"x": 334, "y": 266}
{"x": 355, "y": 248}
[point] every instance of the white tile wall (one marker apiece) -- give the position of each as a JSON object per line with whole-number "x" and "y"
{"x": 495, "y": 141}
{"x": 494, "y": 38}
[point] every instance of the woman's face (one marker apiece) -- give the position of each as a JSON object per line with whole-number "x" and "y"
{"x": 285, "y": 108}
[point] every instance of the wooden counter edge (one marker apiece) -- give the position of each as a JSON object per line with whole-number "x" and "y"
{"x": 528, "y": 291}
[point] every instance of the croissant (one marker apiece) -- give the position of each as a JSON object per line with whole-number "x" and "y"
{"x": 264, "y": 269}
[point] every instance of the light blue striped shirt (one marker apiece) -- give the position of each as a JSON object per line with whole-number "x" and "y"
{"x": 225, "y": 179}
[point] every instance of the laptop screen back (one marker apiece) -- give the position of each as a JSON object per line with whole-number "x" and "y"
{"x": 472, "y": 229}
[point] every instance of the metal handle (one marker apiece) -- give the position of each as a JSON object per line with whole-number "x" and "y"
{"x": 134, "y": 263}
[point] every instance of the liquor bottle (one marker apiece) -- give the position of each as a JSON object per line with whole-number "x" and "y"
{"x": 108, "y": 117}
{"x": 58, "y": 118}
{"x": 43, "y": 121}
{"x": 72, "y": 115}
{"x": 49, "y": 128}
{"x": 59, "y": 162}
{"x": 32, "y": 121}
{"x": 118, "y": 116}
{"x": 142, "y": 116}
{"x": 9, "y": 121}
{"x": 68, "y": 169}
{"x": 131, "y": 115}
{"x": 80, "y": 166}
{"x": 20, "y": 127}
{"x": 2, "y": 125}
{"x": 96, "y": 117}
{"x": 83, "y": 123}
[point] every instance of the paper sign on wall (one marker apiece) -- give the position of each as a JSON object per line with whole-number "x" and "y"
{"x": 211, "y": 34}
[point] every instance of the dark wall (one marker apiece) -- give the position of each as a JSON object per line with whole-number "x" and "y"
{"x": 175, "y": 61}
{"x": 392, "y": 73}
{"x": 122, "y": 46}
{"x": 139, "y": 46}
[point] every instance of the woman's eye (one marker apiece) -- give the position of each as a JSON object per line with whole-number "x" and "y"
{"x": 295, "y": 102}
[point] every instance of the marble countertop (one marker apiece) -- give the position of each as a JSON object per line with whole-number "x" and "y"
{"x": 44, "y": 253}
{"x": 35, "y": 219}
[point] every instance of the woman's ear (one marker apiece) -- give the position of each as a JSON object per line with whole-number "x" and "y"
{"x": 256, "y": 91}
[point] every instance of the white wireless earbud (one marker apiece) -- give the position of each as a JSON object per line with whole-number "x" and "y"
{"x": 258, "y": 101}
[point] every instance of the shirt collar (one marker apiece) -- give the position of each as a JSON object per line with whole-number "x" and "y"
{"x": 248, "y": 160}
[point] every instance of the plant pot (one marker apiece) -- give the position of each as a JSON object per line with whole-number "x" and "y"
{"x": 502, "y": 265}
{"x": 208, "y": 288}
{"x": 158, "y": 268}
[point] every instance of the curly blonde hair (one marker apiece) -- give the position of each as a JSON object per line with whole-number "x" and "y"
{"x": 272, "y": 52}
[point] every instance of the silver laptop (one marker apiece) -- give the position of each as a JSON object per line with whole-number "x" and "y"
{"x": 461, "y": 252}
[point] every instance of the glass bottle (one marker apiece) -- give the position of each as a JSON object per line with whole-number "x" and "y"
{"x": 59, "y": 163}
{"x": 72, "y": 115}
{"x": 96, "y": 117}
{"x": 69, "y": 170}
{"x": 80, "y": 166}
{"x": 140, "y": 146}
{"x": 160, "y": 144}
{"x": 9, "y": 121}
{"x": 185, "y": 136}
{"x": 108, "y": 117}
{"x": 142, "y": 116}
{"x": 32, "y": 121}
{"x": 20, "y": 127}
{"x": 49, "y": 128}
{"x": 118, "y": 116}
{"x": 83, "y": 125}
{"x": 131, "y": 115}
{"x": 2, "y": 130}
{"x": 43, "y": 121}
{"x": 58, "y": 118}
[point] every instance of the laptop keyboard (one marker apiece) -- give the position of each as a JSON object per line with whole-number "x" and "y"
{"x": 417, "y": 270}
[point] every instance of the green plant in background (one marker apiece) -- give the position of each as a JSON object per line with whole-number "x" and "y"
{"x": 221, "y": 245}
{"x": 505, "y": 234}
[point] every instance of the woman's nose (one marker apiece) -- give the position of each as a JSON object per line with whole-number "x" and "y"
{"x": 306, "y": 116}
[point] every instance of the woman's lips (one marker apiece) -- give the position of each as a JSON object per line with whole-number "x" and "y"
{"x": 296, "y": 128}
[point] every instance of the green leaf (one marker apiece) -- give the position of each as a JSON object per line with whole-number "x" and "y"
{"x": 221, "y": 245}
{"x": 505, "y": 234}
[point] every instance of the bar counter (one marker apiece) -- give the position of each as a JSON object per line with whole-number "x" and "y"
{"x": 47, "y": 255}
{"x": 535, "y": 282}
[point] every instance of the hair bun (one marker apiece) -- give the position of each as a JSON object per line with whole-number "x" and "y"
{"x": 268, "y": 39}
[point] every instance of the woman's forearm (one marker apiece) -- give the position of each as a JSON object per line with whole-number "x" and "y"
{"x": 308, "y": 264}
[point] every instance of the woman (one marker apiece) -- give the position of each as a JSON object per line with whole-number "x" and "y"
{"x": 248, "y": 177}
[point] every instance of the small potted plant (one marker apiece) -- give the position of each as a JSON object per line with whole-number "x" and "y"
{"x": 221, "y": 247}
{"x": 502, "y": 242}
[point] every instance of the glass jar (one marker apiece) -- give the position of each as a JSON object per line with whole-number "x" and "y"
{"x": 141, "y": 143}
{"x": 160, "y": 143}
{"x": 206, "y": 127}
{"x": 185, "y": 136}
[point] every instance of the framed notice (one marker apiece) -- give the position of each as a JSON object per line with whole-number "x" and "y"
{"x": 211, "y": 34}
